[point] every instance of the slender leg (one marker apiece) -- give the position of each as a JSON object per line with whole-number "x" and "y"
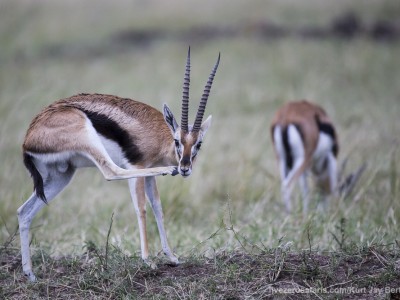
{"x": 286, "y": 192}
{"x": 283, "y": 167}
{"x": 111, "y": 171}
{"x": 292, "y": 156}
{"x": 154, "y": 198}
{"x": 136, "y": 187}
{"x": 305, "y": 193}
{"x": 25, "y": 215}
{"x": 285, "y": 189}
{"x": 332, "y": 169}
{"x": 121, "y": 174}
{"x": 328, "y": 182}
{"x": 323, "y": 203}
{"x": 287, "y": 186}
{"x": 54, "y": 184}
{"x": 280, "y": 151}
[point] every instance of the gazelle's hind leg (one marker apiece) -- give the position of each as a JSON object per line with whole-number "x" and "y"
{"x": 280, "y": 151}
{"x": 284, "y": 165}
{"x": 154, "y": 198}
{"x": 290, "y": 149}
{"x": 287, "y": 185}
{"x": 54, "y": 183}
{"x": 332, "y": 169}
{"x": 305, "y": 192}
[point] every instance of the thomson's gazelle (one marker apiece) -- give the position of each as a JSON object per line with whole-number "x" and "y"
{"x": 123, "y": 138}
{"x": 305, "y": 140}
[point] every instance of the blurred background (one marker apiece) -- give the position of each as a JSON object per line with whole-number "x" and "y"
{"x": 342, "y": 54}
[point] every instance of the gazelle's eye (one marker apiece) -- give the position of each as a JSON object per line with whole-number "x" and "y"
{"x": 198, "y": 146}
{"x": 176, "y": 143}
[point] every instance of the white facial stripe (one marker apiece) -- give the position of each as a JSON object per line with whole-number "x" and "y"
{"x": 187, "y": 151}
{"x": 196, "y": 148}
{"x": 178, "y": 144}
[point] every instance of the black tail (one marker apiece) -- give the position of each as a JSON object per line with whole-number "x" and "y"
{"x": 36, "y": 176}
{"x": 288, "y": 150}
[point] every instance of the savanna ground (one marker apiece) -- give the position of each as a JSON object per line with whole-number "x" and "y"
{"x": 226, "y": 222}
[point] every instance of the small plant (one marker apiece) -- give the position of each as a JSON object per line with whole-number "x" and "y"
{"x": 279, "y": 257}
{"x": 341, "y": 237}
{"x": 309, "y": 264}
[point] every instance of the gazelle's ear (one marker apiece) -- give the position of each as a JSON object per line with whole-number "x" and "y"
{"x": 206, "y": 124}
{"x": 170, "y": 119}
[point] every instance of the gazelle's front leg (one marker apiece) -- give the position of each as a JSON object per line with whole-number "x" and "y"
{"x": 154, "y": 197}
{"x": 121, "y": 174}
{"x": 327, "y": 182}
{"x": 136, "y": 187}
{"x": 97, "y": 153}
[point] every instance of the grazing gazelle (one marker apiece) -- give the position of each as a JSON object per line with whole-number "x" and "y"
{"x": 123, "y": 138}
{"x": 305, "y": 140}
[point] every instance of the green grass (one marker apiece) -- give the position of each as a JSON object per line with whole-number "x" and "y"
{"x": 54, "y": 49}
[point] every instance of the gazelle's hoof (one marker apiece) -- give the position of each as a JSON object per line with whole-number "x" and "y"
{"x": 171, "y": 171}
{"x": 173, "y": 260}
{"x": 150, "y": 263}
{"x": 175, "y": 172}
{"x": 30, "y": 275}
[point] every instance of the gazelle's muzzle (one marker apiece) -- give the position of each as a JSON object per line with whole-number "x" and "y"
{"x": 185, "y": 166}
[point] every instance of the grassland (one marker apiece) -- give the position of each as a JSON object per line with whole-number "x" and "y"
{"x": 227, "y": 217}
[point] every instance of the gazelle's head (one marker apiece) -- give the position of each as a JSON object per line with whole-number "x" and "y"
{"x": 188, "y": 138}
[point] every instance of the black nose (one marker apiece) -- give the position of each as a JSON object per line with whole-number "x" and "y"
{"x": 185, "y": 172}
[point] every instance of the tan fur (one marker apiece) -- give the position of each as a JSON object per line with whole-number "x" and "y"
{"x": 51, "y": 129}
{"x": 62, "y": 127}
{"x": 123, "y": 138}
{"x": 303, "y": 115}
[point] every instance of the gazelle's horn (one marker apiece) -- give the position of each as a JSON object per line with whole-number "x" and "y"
{"x": 185, "y": 96}
{"x": 204, "y": 98}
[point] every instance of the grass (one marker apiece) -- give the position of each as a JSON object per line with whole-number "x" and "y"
{"x": 228, "y": 214}
{"x": 107, "y": 272}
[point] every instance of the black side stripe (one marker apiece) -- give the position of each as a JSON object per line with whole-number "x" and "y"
{"x": 111, "y": 130}
{"x": 329, "y": 130}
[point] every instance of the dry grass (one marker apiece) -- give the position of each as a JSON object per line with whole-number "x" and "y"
{"x": 54, "y": 49}
{"x": 108, "y": 273}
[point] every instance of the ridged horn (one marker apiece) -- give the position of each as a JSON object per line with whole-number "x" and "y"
{"x": 185, "y": 96}
{"x": 204, "y": 98}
